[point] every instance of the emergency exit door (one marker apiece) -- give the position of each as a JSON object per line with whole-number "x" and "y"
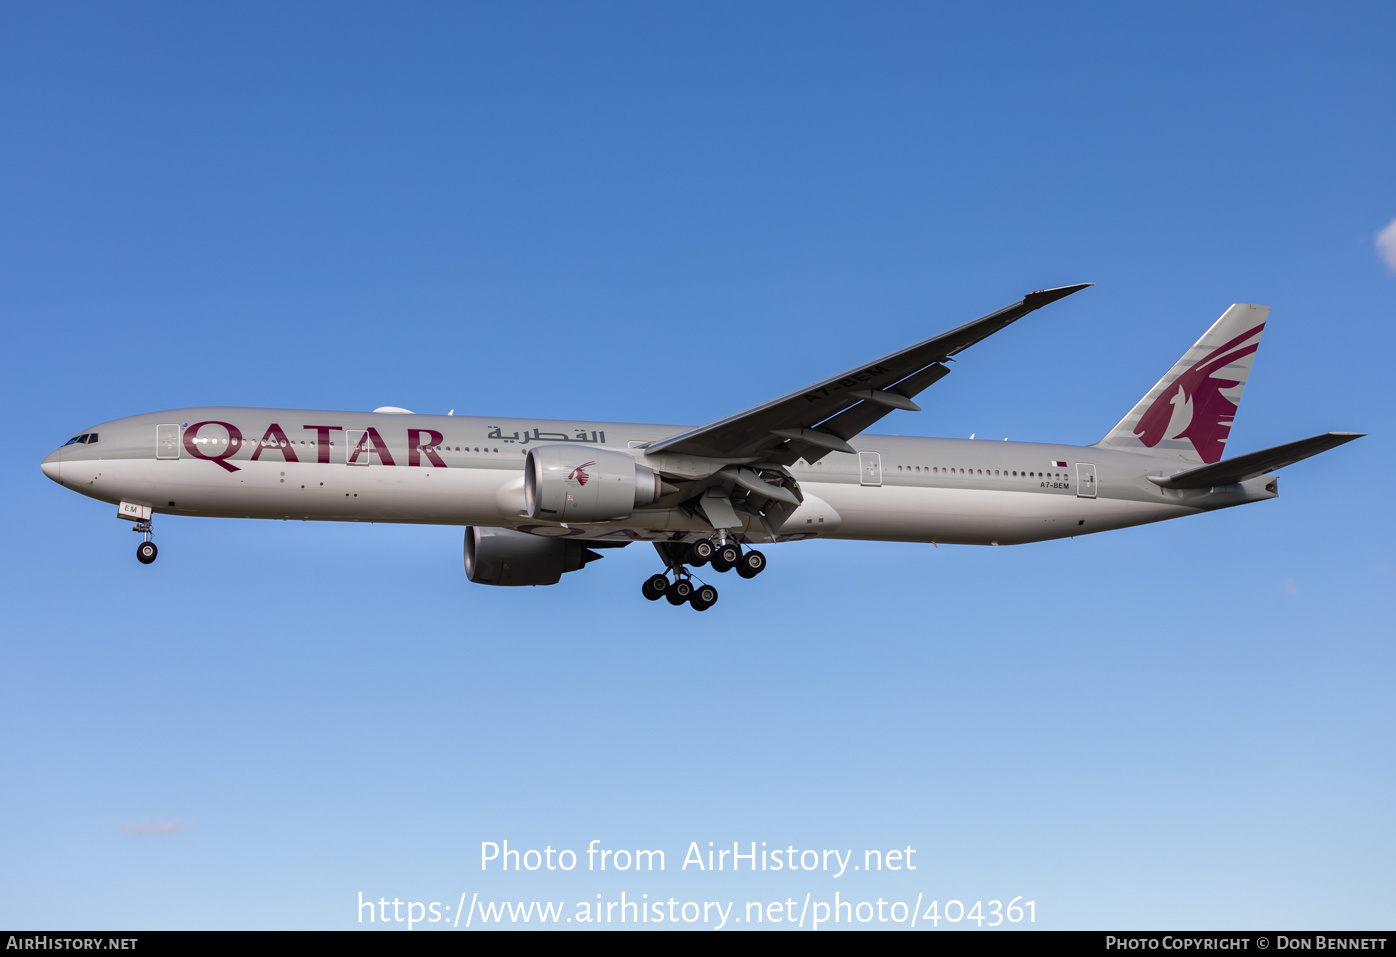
{"x": 167, "y": 441}
{"x": 870, "y": 468}
{"x": 1085, "y": 480}
{"x": 357, "y": 447}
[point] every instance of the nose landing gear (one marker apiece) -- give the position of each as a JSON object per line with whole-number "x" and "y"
{"x": 146, "y": 550}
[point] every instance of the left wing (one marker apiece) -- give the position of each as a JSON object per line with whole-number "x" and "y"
{"x": 824, "y": 416}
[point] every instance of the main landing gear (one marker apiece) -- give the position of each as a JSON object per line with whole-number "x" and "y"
{"x": 725, "y": 557}
{"x": 683, "y": 589}
{"x": 146, "y": 550}
{"x": 722, "y": 555}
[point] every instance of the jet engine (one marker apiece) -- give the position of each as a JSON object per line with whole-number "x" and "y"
{"x": 578, "y": 483}
{"x": 502, "y": 556}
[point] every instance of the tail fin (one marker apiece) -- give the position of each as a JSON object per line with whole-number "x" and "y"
{"x": 1188, "y": 413}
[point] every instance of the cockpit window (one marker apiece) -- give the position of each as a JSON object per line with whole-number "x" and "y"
{"x": 87, "y": 438}
{"x": 91, "y": 438}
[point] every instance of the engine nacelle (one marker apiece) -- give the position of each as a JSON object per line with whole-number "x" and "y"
{"x": 579, "y": 483}
{"x": 502, "y": 556}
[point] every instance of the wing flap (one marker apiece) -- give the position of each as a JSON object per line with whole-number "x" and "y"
{"x": 858, "y": 418}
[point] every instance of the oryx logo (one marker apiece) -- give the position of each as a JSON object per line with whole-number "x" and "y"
{"x": 1193, "y": 406}
{"x": 579, "y": 474}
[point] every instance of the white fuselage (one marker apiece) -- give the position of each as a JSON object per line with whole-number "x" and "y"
{"x": 462, "y": 470}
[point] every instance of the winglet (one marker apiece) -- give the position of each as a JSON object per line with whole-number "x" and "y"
{"x": 1040, "y": 298}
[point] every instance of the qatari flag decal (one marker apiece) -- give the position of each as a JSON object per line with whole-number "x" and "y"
{"x": 1059, "y": 465}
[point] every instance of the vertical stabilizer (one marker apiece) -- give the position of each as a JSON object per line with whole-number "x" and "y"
{"x": 1189, "y": 412}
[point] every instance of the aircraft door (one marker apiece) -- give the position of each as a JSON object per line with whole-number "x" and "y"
{"x": 1085, "y": 480}
{"x": 357, "y": 447}
{"x": 167, "y": 441}
{"x": 870, "y": 468}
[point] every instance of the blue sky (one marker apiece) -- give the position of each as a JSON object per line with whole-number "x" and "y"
{"x": 669, "y": 213}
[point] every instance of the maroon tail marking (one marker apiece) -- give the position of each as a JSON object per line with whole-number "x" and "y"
{"x": 1212, "y": 412}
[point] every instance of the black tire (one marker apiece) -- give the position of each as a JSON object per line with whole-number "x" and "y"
{"x": 726, "y": 557}
{"x": 654, "y": 587}
{"x": 700, "y": 553}
{"x": 146, "y": 552}
{"x": 679, "y": 591}
{"x": 752, "y": 564}
{"x": 704, "y": 597}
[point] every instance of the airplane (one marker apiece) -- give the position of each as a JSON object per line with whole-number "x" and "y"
{"x": 539, "y": 499}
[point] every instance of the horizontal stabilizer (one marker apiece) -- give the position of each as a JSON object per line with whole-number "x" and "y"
{"x": 1251, "y": 464}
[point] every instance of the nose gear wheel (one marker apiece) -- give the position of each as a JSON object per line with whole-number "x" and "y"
{"x": 146, "y": 550}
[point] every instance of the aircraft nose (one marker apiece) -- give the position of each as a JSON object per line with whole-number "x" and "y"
{"x": 52, "y": 465}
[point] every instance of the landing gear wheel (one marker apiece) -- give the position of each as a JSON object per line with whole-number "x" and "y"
{"x": 700, "y": 553}
{"x": 751, "y": 564}
{"x": 146, "y": 552}
{"x": 704, "y": 597}
{"x": 679, "y": 591}
{"x": 726, "y": 556}
{"x": 654, "y": 587}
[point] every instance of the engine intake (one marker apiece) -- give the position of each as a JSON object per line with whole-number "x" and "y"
{"x": 578, "y": 483}
{"x": 503, "y": 556}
